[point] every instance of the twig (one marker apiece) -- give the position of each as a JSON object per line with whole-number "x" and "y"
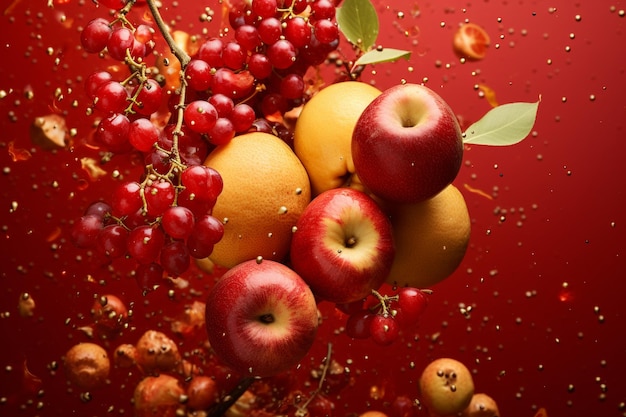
{"x": 181, "y": 55}
{"x": 231, "y": 398}
{"x": 302, "y": 411}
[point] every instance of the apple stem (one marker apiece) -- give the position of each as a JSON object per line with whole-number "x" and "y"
{"x": 231, "y": 398}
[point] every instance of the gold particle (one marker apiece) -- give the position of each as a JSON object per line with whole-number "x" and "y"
{"x": 282, "y": 210}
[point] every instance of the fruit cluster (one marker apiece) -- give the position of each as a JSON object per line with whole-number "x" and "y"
{"x": 381, "y": 318}
{"x": 245, "y": 80}
{"x": 161, "y": 223}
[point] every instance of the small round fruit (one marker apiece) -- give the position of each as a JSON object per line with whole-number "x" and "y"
{"x": 87, "y": 365}
{"x": 471, "y": 41}
{"x": 261, "y": 318}
{"x": 158, "y": 396}
{"x": 323, "y": 134}
{"x": 407, "y": 145}
{"x": 431, "y": 239}
{"x": 446, "y": 387}
{"x": 481, "y": 405}
{"x": 266, "y": 188}
{"x": 384, "y": 329}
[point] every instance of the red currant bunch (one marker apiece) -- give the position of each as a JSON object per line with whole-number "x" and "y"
{"x": 381, "y": 318}
{"x": 161, "y": 223}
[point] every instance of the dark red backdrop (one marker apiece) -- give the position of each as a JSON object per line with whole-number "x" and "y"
{"x": 544, "y": 285}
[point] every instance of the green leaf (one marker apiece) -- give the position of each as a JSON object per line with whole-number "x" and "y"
{"x": 376, "y": 56}
{"x": 504, "y": 125}
{"x": 358, "y": 21}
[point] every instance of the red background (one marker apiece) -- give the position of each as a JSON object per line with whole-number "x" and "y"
{"x": 545, "y": 285}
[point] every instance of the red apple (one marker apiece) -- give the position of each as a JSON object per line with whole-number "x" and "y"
{"x": 343, "y": 246}
{"x": 261, "y": 318}
{"x": 407, "y": 145}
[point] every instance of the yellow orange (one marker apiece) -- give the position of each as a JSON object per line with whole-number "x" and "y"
{"x": 431, "y": 239}
{"x": 266, "y": 188}
{"x": 323, "y": 133}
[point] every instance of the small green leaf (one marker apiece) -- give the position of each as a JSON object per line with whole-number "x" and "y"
{"x": 504, "y": 125}
{"x": 376, "y": 56}
{"x": 358, "y": 21}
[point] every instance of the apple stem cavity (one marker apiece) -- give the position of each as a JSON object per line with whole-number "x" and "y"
{"x": 267, "y": 318}
{"x": 350, "y": 242}
{"x": 231, "y": 398}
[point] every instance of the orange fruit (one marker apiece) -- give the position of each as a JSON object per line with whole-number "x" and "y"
{"x": 471, "y": 41}
{"x": 431, "y": 239}
{"x": 266, "y": 188}
{"x": 446, "y": 387}
{"x": 323, "y": 133}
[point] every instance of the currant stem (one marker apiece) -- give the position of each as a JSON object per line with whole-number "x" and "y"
{"x": 302, "y": 411}
{"x": 181, "y": 55}
{"x": 231, "y": 398}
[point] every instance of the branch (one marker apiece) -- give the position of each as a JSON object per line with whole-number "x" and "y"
{"x": 181, "y": 55}
{"x": 231, "y": 398}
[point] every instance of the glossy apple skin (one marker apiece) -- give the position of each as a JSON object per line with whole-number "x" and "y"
{"x": 407, "y": 145}
{"x": 261, "y": 318}
{"x": 335, "y": 269}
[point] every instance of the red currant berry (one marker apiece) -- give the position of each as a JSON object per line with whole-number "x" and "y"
{"x": 248, "y": 37}
{"x": 264, "y": 8}
{"x": 384, "y": 329}
{"x": 95, "y": 35}
{"x": 149, "y": 276}
{"x": 223, "y": 104}
{"x": 149, "y": 97}
{"x": 200, "y": 116}
{"x": 233, "y": 55}
{"x": 100, "y": 209}
{"x": 242, "y": 117}
{"x": 199, "y": 181}
{"x": 209, "y": 229}
{"x": 198, "y": 75}
{"x": 292, "y": 86}
{"x": 111, "y": 241}
{"x": 159, "y": 196}
{"x": 297, "y": 31}
{"x": 270, "y": 30}
{"x": 412, "y": 303}
{"x": 326, "y": 31}
{"x": 144, "y": 243}
{"x": 120, "y": 41}
{"x": 222, "y": 132}
{"x": 178, "y": 222}
{"x": 143, "y": 134}
{"x": 85, "y": 231}
{"x": 95, "y": 81}
{"x": 211, "y": 52}
{"x": 126, "y": 199}
{"x": 233, "y": 84}
{"x": 281, "y": 54}
{"x": 322, "y": 9}
{"x": 174, "y": 258}
{"x": 260, "y": 66}
{"x": 112, "y": 133}
{"x": 111, "y": 97}
{"x": 358, "y": 324}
